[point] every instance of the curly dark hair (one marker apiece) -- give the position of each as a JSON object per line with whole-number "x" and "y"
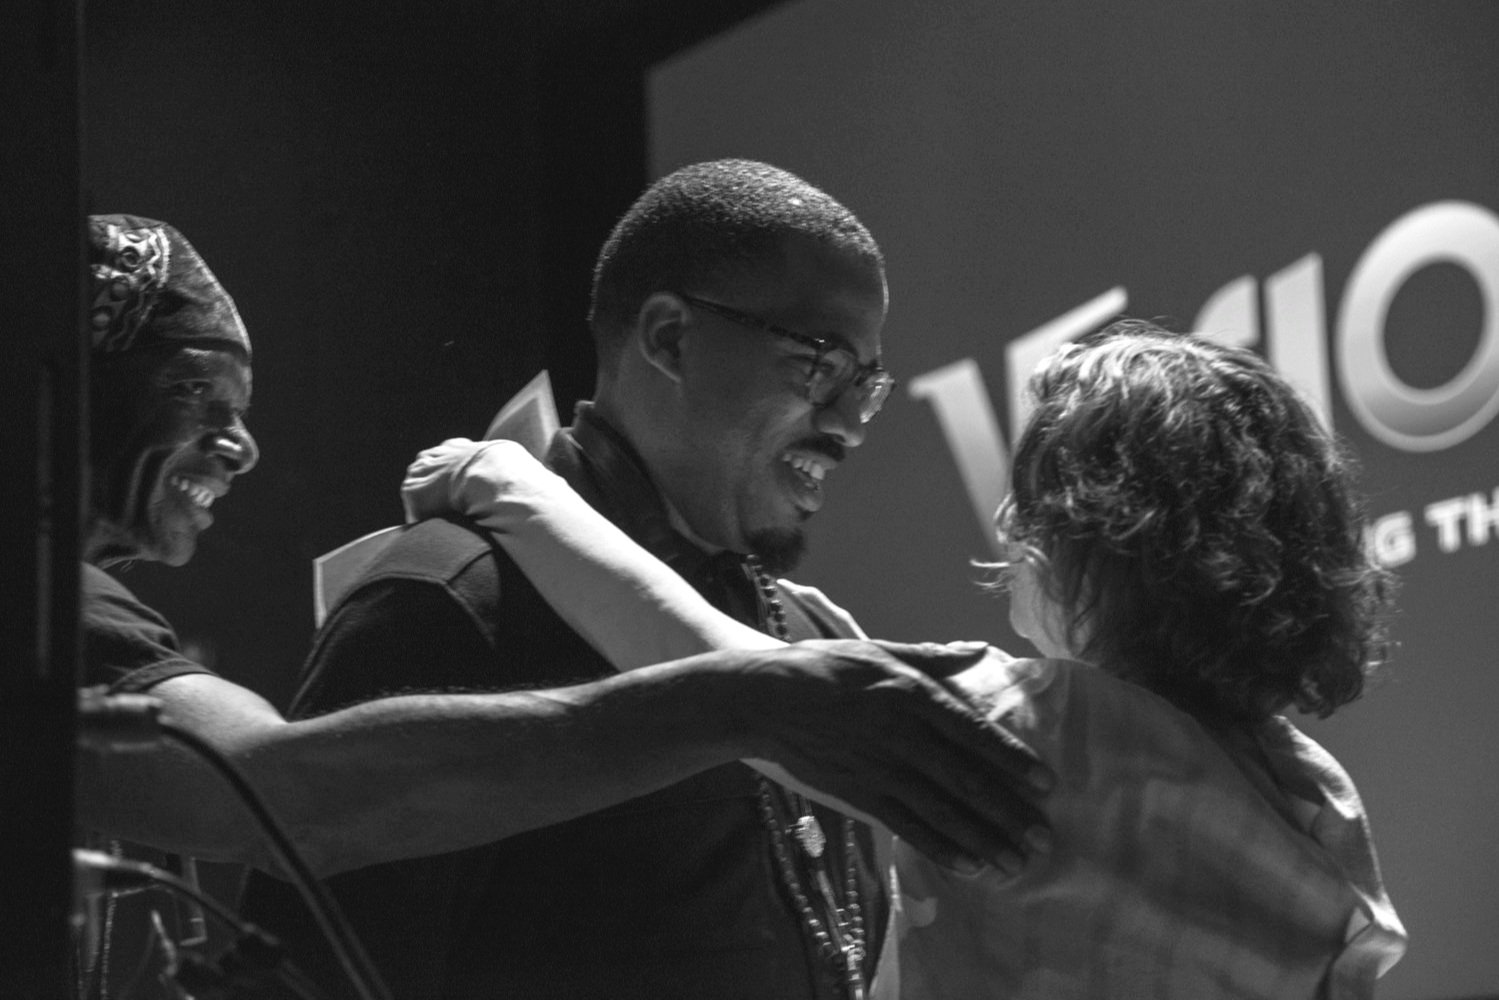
{"x": 702, "y": 223}
{"x": 1197, "y": 526}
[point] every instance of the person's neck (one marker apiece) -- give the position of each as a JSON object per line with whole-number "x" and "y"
{"x": 101, "y": 543}
{"x": 679, "y": 524}
{"x": 607, "y": 410}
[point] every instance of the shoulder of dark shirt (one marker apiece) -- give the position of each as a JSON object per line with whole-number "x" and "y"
{"x": 450, "y": 561}
{"x": 438, "y": 549}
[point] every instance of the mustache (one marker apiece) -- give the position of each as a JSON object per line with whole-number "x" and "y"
{"x": 826, "y": 444}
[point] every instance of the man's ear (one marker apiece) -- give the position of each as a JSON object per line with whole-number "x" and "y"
{"x": 660, "y": 326}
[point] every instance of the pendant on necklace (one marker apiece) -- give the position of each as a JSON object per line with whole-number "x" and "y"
{"x": 808, "y": 833}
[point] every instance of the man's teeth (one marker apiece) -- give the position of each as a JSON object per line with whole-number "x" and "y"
{"x": 811, "y": 467}
{"x": 199, "y": 495}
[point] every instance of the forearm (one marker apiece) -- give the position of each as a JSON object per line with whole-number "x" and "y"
{"x": 419, "y": 775}
{"x": 422, "y": 775}
{"x": 425, "y": 774}
{"x": 628, "y": 605}
{"x": 625, "y": 602}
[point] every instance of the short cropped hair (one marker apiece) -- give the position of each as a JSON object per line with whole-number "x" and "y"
{"x": 702, "y": 224}
{"x": 1197, "y": 525}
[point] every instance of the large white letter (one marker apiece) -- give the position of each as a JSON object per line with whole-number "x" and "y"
{"x": 1297, "y": 339}
{"x": 1025, "y": 352}
{"x": 967, "y": 420}
{"x": 1231, "y": 314}
{"x": 1421, "y": 420}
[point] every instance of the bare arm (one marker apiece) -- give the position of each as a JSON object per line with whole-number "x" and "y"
{"x": 417, "y": 775}
{"x": 406, "y": 776}
{"x": 630, "y": 606}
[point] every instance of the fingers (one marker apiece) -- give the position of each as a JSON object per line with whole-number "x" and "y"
{"x": 431, "y": 459}
{"x": 437, "y": 461}
{"x": 425, "y": 489}
{"x": 950, "y": 812}
{"x": 944, "y": 662}
{"x": 932, "y": 776}
{"x": 911, "y": 828}
{"x": 902, "y": 744}
{"x": 968, "y": 777}
{"x": 951, "y": 778}
{"x": 482, "y": 480}
{"x": 938, "y": 660}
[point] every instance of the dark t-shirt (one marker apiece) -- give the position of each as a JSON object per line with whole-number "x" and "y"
{"x": 126, "y": 645}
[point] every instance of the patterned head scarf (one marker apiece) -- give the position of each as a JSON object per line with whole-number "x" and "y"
{"x": 150, "y": 287}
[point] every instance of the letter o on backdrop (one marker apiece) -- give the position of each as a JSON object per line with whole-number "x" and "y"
{"x": 1401, "y": 415}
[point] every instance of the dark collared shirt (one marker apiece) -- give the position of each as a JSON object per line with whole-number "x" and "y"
{"x": 603, "y": 467}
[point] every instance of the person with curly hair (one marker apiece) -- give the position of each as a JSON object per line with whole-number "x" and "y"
{"x": 1188, "y": 558}
{"x": 1193, "y": 522}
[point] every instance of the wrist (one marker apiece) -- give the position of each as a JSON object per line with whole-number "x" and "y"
{"x": 756, "y": 698}
{"x": 501, "y": 485}
{"x": 728, "y": 698}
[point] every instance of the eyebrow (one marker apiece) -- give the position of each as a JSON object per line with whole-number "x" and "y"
{"x": 877, "y": 361}
{"x": 839, "y": 341}
{"x": 795, "y": 334}
{"x": 199, "y": 368}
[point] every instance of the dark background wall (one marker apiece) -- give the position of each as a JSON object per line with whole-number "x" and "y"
{"x": 404, "y": 199}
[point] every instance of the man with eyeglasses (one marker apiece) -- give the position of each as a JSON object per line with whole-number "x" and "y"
{"x": 840, "y": 391}
{"x": 737, "y": 312}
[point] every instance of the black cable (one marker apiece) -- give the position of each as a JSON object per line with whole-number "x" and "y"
{"x": 131, "y": 874}
{"x": 350, "y": 953}
{"x": 120, "y": 722}
{"x": 255, "y": 951}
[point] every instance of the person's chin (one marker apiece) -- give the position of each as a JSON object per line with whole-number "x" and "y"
{"x": 779, "y": 550}
{"x": 172, "y": 545}
{"x": 178, "y": 556}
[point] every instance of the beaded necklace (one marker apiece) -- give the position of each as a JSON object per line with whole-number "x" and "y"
{"x": 838, "y": 931}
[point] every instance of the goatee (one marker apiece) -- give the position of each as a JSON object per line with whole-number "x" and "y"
{"x": 779, "y": 550}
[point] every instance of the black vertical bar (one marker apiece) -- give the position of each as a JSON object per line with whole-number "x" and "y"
{"x": 41, "y": 274}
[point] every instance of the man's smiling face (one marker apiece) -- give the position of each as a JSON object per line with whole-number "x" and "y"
{"x": 757, "y": 450}
{"x": 169, "y": 436}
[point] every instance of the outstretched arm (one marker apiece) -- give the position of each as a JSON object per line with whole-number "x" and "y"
{"x": 418, "y": 775}
{"x": 629, "y": 605}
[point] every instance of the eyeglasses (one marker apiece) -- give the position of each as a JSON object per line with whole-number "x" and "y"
{"x": 835, "y": 370}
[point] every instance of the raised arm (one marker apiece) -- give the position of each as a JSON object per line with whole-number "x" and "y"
{"x": 631, "y": 607}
